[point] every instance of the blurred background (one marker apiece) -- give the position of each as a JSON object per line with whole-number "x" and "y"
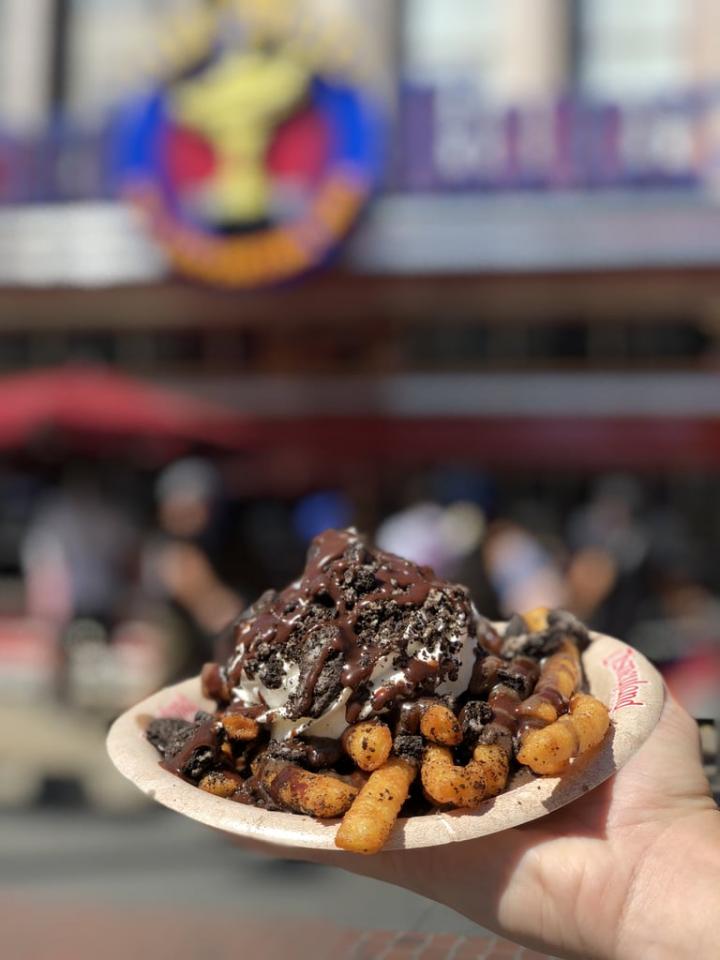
{"x": 490, "y": 338}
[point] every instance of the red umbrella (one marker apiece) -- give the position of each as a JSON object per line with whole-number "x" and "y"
{"x": 99, "y": 404}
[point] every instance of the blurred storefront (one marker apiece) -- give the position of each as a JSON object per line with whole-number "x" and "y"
{"x": 519, "y": 311}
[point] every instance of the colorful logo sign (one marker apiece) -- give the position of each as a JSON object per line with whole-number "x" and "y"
{"x": 255, "y": 155}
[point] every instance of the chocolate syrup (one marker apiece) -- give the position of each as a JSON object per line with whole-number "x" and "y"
{"x": 521, "y": 674}
{"x": 503, "y": 702}
{"x": 197, "y": 754}
{"x": 409, "y": 717}
{"x": 488, "y": 637}
{"x": 316, "y": 753}
{"x": 530, "y": 723}
{"x": 214, "y": 685}
{"x": 552, "y": 695}
{"x": 254, "y": 711}
{"x": 322, "y": 752}
{"x": 484, "y": 675}
{"x": 333, "y": 559}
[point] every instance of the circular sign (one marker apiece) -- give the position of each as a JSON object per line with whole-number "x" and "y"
{"x": 254, "y": 156}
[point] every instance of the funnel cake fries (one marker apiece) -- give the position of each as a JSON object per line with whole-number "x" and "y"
{"x": 319, "y": 795}
{"x": 239, "y": 727}
{"x": 548, "y": 751}
{"x": 448, "y": 785}
{"x": 370, "y": 688}
{"x": 368, "y": 744}
{"x": 440, "y": 725}
{"x": 369, "y": 821}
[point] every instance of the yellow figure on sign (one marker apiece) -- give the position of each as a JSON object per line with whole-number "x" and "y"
{"x": 237, "y": 103}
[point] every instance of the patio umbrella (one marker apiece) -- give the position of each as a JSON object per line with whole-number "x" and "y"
{"x": 96, "y": 407}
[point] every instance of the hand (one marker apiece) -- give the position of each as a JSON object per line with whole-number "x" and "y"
{"x": 629, "y": 872}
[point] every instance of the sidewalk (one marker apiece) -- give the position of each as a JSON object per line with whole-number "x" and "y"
{"x": 33, "y": 930}
{"x": 154, "y": 886}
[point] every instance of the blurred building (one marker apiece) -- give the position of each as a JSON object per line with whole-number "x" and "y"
{"x": 595, "y": 123}
{"x": 531, "y": 291}
{"x": 547, "y": 161}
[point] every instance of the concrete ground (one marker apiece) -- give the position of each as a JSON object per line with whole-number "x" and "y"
{"x": 77, "y": 885}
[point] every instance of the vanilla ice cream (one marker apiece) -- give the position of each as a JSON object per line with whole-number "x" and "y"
{"x": 361, "y": 632}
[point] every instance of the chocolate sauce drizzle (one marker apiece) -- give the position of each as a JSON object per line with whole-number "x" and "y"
{"x": 198, "y": 754}
{"x": 333, "y": 559}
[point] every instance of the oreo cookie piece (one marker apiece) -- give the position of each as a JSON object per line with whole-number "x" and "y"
{"x": 169, "y": 734}
{"x": 542, "y": 643}
{"x": 187, "y": 749}
{"x": 516, "y": 626}
{"x": 315, "y": 753}
{"x": 493, "y": 734}
{"x": 473, "y": 717}
{"x": 562, "y": 623}
{"x": 409, "y": 747}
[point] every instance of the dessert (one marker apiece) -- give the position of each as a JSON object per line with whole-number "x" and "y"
{"x": 370, "y": 688}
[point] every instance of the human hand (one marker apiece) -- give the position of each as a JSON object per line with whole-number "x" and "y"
{"x": 629, "y": 872}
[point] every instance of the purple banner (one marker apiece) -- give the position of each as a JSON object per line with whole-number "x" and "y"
{"x": 450, "y": 141}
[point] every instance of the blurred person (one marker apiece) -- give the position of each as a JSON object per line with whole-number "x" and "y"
{"x": 178, "y": 560}
{"x": 186, "y": 494}
{"x": 272, "y": 549}
{"x": 523, "y": 572}
{"x": 77, "y": 552}
{"x": 610, "y": 544}
{"x": 433, "y": 535}
{"x": 611, "y": 520}
{"x": 679, "y": 628}
{"x": 76, "y": 557}
{"x": 590, "y": 577}
{"x": 471, "y": 496}
{"x": 20, "y": 491}
{"x": 413, "y": 533}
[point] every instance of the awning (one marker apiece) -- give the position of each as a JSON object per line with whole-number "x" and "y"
{"x": 96, "y": 408}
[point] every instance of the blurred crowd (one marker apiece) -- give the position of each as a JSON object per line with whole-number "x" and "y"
{"x": 630, "y": 559}
{"x": 117, "y": 581}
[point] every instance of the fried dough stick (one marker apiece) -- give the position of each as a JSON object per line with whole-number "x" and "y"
{"x": 221, "y": 783}
{"x": 448, "y": 785}
{"x": 485, "y": 775}
{"x": 368, "y": 744}
{"x": 440, "y": 725}
{"x": 548, "y": 750}
{"x": 316, "y": 794}
{"x": 369, "y": 821}
{"x": 559, "y": 679}
{"x": 240, "y": 727}
{"x": 493, "y": 752}
{"x": 536, "y": 619}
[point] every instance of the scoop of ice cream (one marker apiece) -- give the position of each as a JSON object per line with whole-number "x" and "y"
{"x": 360, "y": 632}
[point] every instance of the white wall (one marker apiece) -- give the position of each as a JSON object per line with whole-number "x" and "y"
{"x": 25, "y": 55}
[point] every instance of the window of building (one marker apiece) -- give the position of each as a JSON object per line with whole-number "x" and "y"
{"x": 508, "y": 53}
{"x": 635, "y": 50}
{"x": 450, "y": 42}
